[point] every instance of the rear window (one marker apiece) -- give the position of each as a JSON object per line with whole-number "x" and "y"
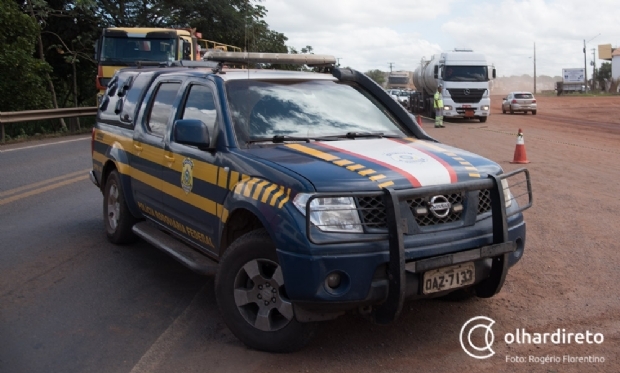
{"x": 523, "y": 95}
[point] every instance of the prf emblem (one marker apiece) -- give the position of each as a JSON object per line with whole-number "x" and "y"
{"x": 187, "y": 177}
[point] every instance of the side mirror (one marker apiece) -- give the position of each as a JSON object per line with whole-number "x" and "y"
{"x": 436, "y": 71}
{"x": 191, "y": 132}
{"x": 494, "y": 73}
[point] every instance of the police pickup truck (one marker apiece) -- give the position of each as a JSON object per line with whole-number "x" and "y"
{"x": 306, "y": 194}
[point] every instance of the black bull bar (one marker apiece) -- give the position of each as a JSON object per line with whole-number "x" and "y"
{"x": 499, "y": 250}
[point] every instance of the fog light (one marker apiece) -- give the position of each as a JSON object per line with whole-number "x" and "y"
{"x": 333, "y": 280}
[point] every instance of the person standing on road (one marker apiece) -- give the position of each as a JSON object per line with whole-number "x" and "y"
{"x": 438, "y": 105}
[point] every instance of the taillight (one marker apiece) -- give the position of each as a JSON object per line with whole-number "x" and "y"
{"x": 98, "y": 79}
{"x": 513, "y": 101}
{"x": 533, "y": 101}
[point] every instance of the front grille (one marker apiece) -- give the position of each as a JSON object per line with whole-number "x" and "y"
{"x": 424, "y": 217}
{"x": 373, "y": 213}
{"x": 466, "y": 95}
{"x": 484, "y": 201}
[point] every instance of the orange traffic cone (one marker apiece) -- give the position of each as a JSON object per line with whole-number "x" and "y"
{"x": 520, "y": 156}
{"x": 419, "y": 120}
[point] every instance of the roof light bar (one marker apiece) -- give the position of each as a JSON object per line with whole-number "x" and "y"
{"x": 283, "y": 58}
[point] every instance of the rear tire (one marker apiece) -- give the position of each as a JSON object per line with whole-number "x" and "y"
{"x": 511, "y": 111}
{"x": 117, "y": 218}
{"x": 533, "y": 112}
{"x": 250, "y": 292}
{"x": 503, "y": 110}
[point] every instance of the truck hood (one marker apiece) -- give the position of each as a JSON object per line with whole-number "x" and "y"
{"x": 372, "y": 164}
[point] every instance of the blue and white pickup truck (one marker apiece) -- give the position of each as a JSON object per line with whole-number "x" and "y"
{"x": 306, "y": 194}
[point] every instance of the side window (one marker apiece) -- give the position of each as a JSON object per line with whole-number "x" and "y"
{"x": 161, "y": 108}
{"x": 200, "y": 104}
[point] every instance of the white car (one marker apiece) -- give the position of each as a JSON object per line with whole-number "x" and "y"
{"x": 519, "y": 101}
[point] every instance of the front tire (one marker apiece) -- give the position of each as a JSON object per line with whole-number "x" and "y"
{"x": 116, "y": 215}
{"x": 250, "y": 292}
{"x": 483, "y": 119}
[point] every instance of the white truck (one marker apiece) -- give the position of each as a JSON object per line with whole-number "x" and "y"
{"x": 464, "y": 76}
{"x": 573, "y": 80}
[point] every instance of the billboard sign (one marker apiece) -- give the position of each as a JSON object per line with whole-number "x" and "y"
{"x": 573, "y": 75}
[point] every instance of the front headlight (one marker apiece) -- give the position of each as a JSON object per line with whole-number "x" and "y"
{"x": 331, "y": 214}
{"x": 447, "y": 107}
{"x": 507, "y": 194}
{"x": 485, "y": 108}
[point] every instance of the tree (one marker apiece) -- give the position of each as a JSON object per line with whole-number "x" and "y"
{"x": 377, "y": 75}
{"x": 22, "y": 76}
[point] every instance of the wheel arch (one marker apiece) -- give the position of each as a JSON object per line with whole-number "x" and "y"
{"x": 110, "y": 166}
{"x": 240, "y": 221}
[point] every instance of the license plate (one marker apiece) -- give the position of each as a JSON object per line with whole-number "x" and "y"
{"x": 449, "y": 278}
{"x": 469, "y": 113}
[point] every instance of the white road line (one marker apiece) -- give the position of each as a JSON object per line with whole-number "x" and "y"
{"x": 51, "y": 143}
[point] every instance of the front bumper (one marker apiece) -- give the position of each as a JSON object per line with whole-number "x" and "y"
{"x": 393, "y": 269}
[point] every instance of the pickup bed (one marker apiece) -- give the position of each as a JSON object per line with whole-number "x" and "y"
{"x": 306, "y": 194}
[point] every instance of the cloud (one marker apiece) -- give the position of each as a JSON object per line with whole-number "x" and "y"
{"x": 372, "y": 34}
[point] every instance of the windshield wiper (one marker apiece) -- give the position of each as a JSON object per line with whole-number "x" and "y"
{"x": 277, "y": 139}
{"x": 356, "y": 135}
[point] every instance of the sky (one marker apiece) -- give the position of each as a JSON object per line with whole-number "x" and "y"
{"x": 367, "y": 35}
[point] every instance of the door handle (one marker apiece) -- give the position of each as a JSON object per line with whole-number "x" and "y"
{"x": 169, "y": 158}
{"x": 138, "y": 147}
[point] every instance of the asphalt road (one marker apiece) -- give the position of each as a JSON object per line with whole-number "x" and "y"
{"x": 69, "y": 300}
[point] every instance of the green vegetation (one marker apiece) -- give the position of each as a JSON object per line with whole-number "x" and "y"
{"x": 47, "y": 46}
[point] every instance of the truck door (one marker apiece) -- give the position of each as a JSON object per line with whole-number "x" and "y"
{"x": 198, "y": 197}
{"x": 148, "y": 152}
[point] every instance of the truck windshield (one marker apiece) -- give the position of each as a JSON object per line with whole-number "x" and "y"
{"x": 319, "y": 108}
{"x": 129, "y": 50}
{"x": 465, "y": 73}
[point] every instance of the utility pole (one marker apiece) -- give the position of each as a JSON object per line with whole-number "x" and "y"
{"x": 391, "y": 63}
{"x": 593, "y": 68}
{"x": 534, "y": 67}
{"x": 585, "y": 67}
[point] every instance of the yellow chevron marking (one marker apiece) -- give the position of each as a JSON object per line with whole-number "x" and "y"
{"x": 458, "y": 159}
{"x": 355, "y": 167}
{"x": 377, "y": 177}
{"x": 366, "y": 172}
{"x": 249, "y": 185}
{"x": 268, "y": 192}
{"x": 343, "y": 162}
{"x": 474, "y": 175}
{"x": 314, "y": 152}
{"x": 224, "y": 215}
{"x": 450, "y": 154}
{"x": 386, "y": 184}
{"x": 465, "y": 163}
{"x": 259, "y": 188}
{"x": 222, "y": 178}
{"x": 471, "y": 168}
{"x": 276, "y": 196}
{"x": 285, "y": 199}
